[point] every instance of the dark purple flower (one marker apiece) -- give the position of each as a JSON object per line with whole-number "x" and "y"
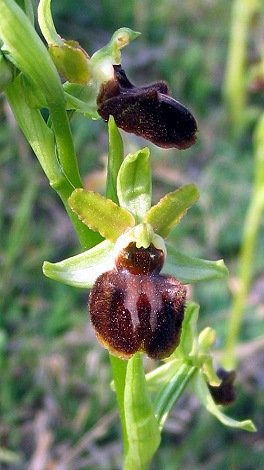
{"x": 148, "y": 112}
{"x": 134, "y": 308}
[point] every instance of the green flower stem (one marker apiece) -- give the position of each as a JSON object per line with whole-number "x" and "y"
{"x": 235, "y": 83}
{"x": 251, "y": 230}
{"x": 32, "y": 58}
{"x": 42, "y": 141}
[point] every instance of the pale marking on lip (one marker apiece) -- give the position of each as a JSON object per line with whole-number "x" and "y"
{"x": 136, "y": 285}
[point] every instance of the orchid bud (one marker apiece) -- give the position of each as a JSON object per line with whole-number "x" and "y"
{"x": 224, "y": 394}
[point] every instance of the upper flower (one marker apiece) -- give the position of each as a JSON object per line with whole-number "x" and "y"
{"x": 148, "y": 111}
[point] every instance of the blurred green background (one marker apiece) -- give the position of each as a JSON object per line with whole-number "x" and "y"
{"x": 57, "y": 411}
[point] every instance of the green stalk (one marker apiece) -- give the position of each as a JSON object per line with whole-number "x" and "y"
{"x": 235, "y": 76}
{"x": 250, "y": 234}
{"x": 32, "y": 58}
{"x": 42, "y": 141}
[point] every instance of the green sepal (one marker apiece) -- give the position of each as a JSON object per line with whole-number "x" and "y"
{"x": 190, "y": 270}
{"x": 82, "y": 270}
{"x": 143, "y": 435}
{"x": 115, "y": 159}
{"x": 170, "y": 209}
{"x": 81, "y": 98}
{"x": 205, "y": 397}
{"x": 134, "y": 184}
{"x": 71, "y": 61}
{"x": 162, "y": 374}
{"x": 100, "y": 214}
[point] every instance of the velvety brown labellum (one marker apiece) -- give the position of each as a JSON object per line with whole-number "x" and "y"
{"x": 139, "y": 311}
{"x": 225, "y": 393}
{"x": 148, "y": 112}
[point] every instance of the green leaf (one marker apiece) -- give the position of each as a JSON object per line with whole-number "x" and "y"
{"x": 82, "y": 270}
{"x": 172, "y": 391}
{"x": 33, "y": 94}
{"x": 142, "y": 427}
{"x": 170, "y": 209}
{"x": 204, "y": 395}
{"x": 134, "y": 184}
{"x": 189, "y": 269}
{"x": 35, "y": 129}
{"x": 7, "y": 72}
{"x": 161, "y": 375}
{"x": 101, "y": 214}
{"x": 119, "y": 367}
{"x": 115, "y": 159}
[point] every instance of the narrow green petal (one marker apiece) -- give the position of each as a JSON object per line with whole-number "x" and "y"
{"x": 189, "y": 270}
{"x": 134, "y": 184}
{"x": 206, "y": 399}
{"x": 171, "y": 208}
{"x": 82, "y": 270}
{"x": 101, "y": 214}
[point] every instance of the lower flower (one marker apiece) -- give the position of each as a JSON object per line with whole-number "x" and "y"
{"x": 135, "y": 308}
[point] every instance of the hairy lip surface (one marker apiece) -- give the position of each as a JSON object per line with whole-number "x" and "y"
{"x": 135, "y": 308}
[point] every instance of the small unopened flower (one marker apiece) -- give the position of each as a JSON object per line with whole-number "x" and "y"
{"x": 224, "y": 394}
{"x": 148, "y": 111}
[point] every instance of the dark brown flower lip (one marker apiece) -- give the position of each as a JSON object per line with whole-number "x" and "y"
{"x": 134, "y": 308}
{"x": 148, "y": 111}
